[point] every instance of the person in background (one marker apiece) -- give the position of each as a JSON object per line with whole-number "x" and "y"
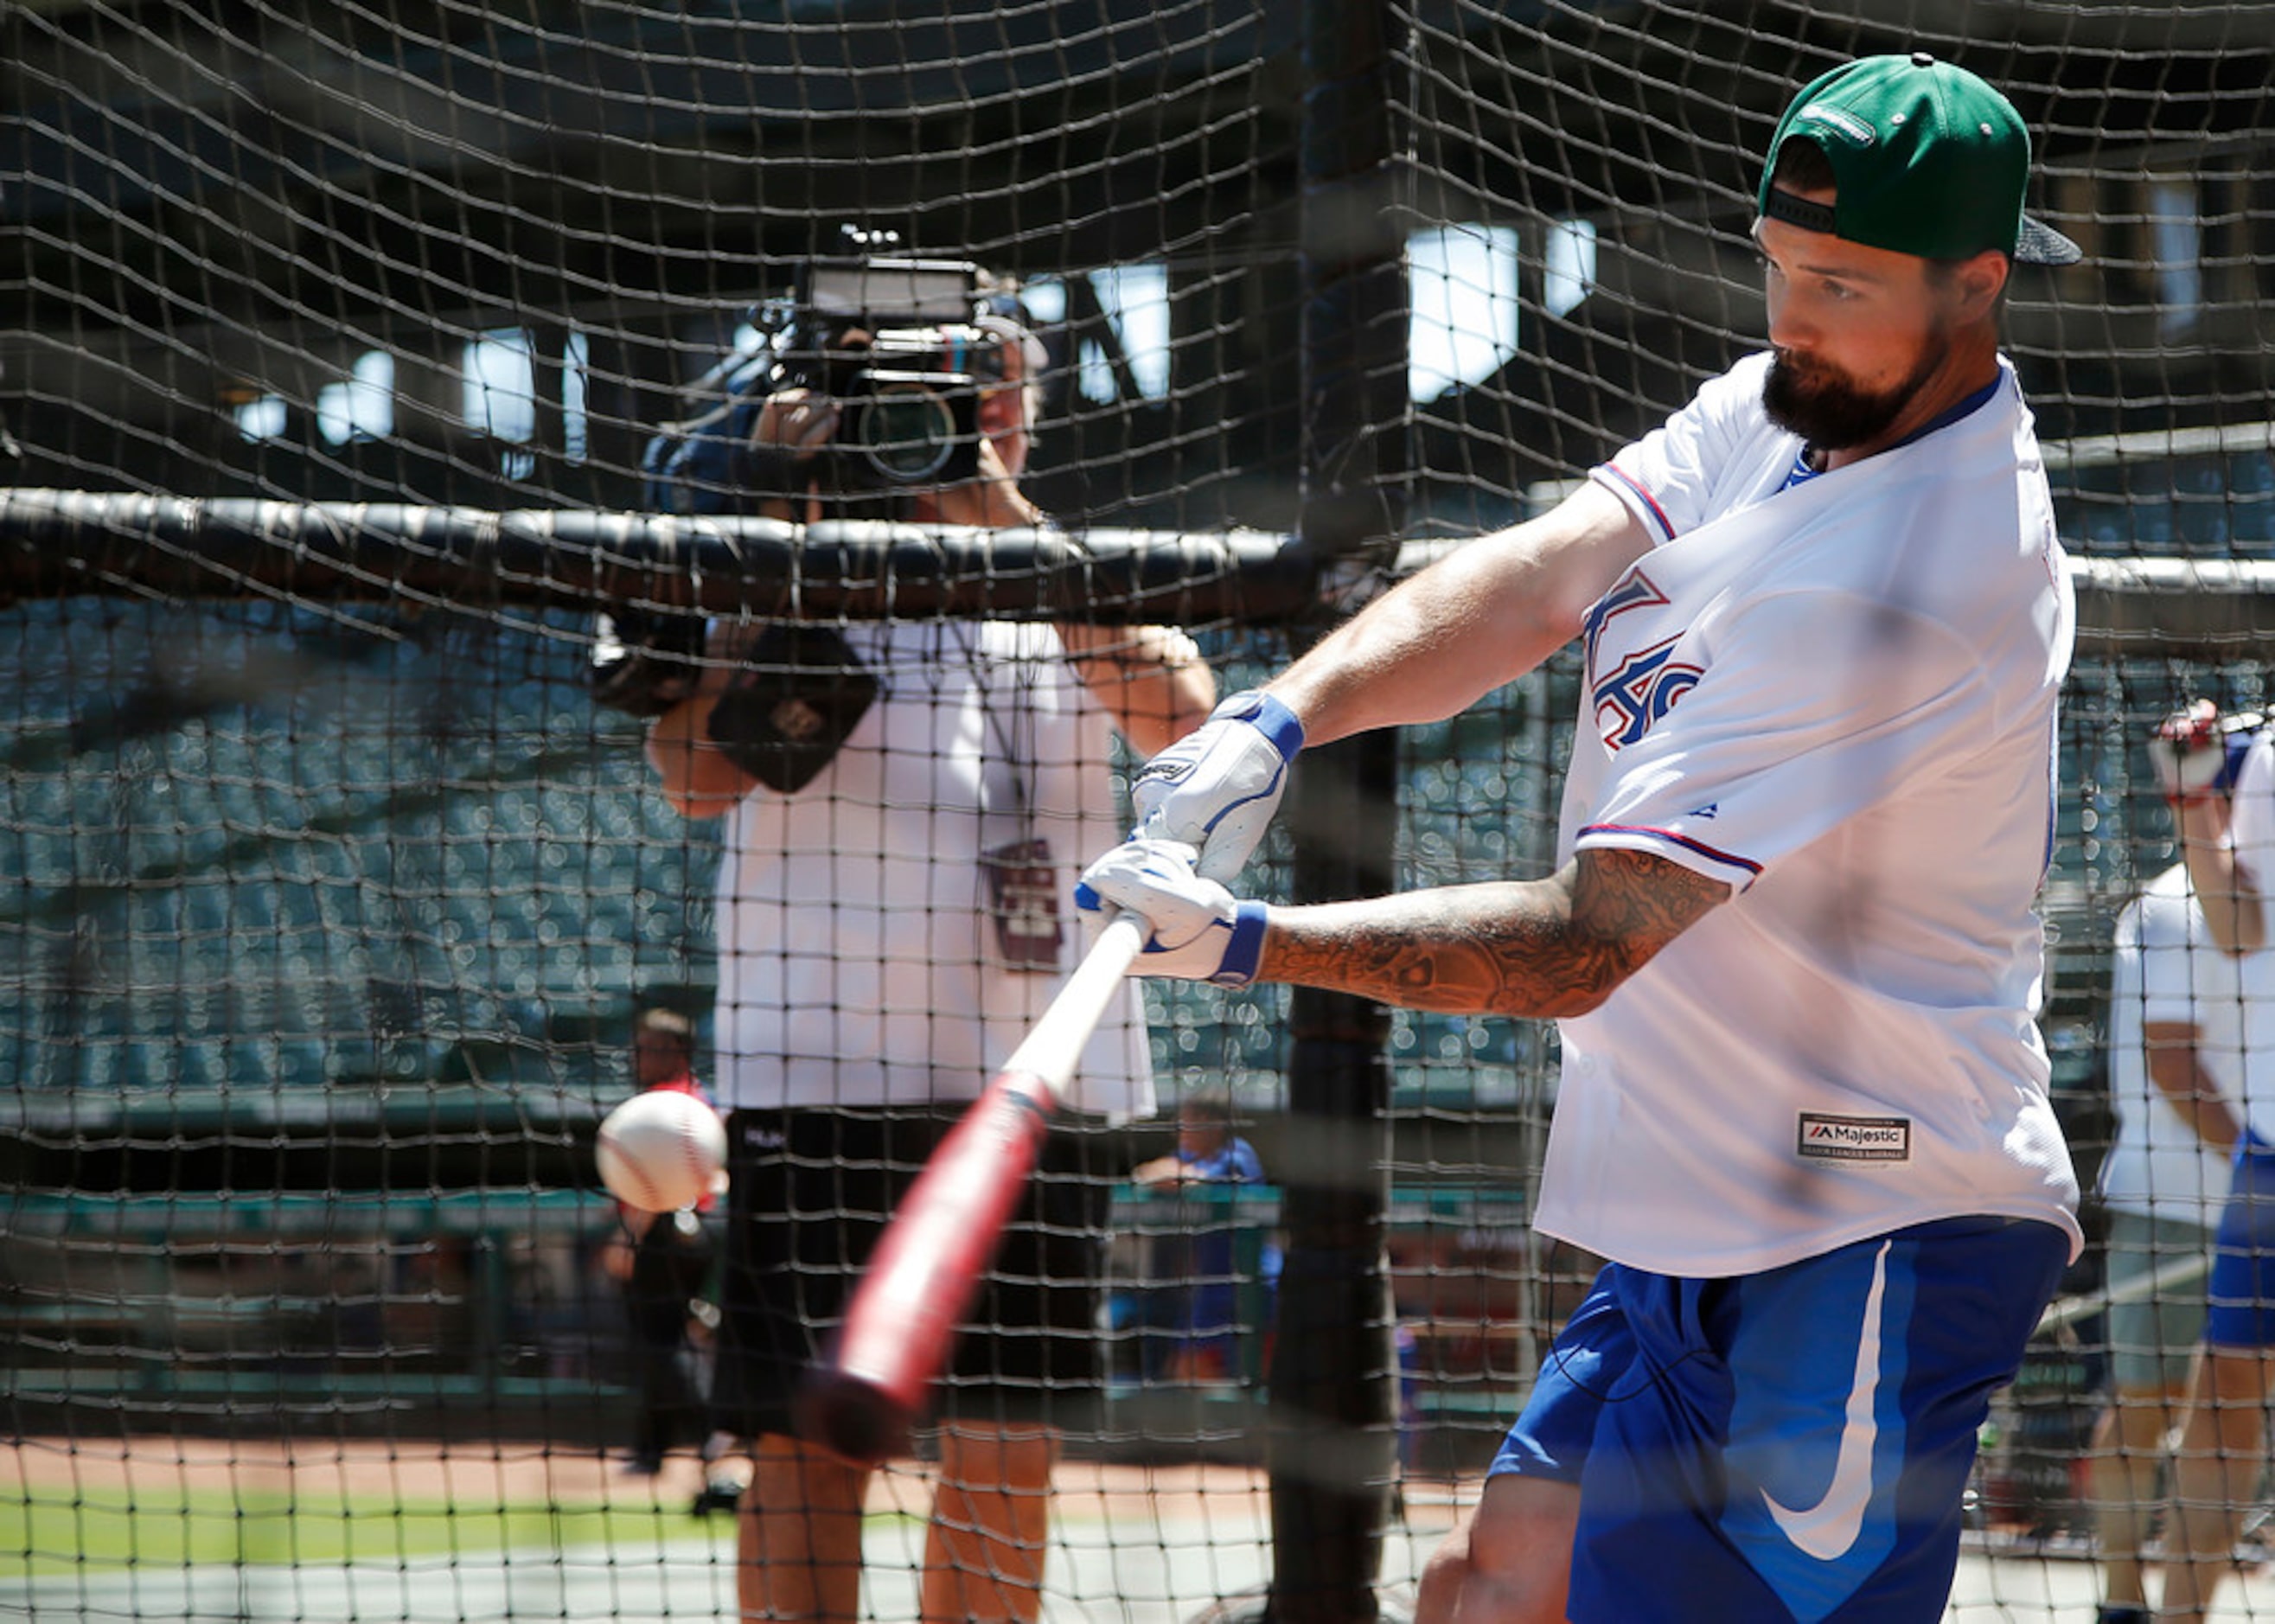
{"x": 1195, "y": 1292}
{"x": 904, "y": 817}
{"x": 2227, "y": 842}
{"x": 2175, "y": 1043}
{"x": 662, "y": 1260}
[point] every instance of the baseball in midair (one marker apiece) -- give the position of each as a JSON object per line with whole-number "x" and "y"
{"x": 660, "y": 1151}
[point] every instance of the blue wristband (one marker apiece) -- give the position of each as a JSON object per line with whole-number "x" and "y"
{"x": 1269, "y": 717}
{"x": 1245, "y": 950}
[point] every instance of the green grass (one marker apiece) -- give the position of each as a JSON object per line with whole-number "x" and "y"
{"x": 60, "y": 1530}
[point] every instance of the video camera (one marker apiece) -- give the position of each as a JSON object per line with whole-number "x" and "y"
{"x": 891, "y": 342}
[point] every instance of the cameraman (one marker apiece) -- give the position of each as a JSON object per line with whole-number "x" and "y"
{"x": 891, "y": 919}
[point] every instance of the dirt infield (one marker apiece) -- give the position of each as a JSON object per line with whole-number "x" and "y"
{"x": 490, "y": 1473}
{"x": 1165, "y": 1543}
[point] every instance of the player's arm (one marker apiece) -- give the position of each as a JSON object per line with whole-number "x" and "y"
{"x": 1540, "y": 948}
{"x": 1160, "y": 1170}
{"x": 2180, "y": 1077}
{"x": 2191, "y": 753}
{"x": 2223, "y": 890}
{"x": 1482, "y": 615}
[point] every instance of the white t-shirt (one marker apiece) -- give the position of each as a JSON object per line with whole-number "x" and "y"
{"x": 859, "y": 964}
{"x": 2167, "y": 970}
{"x": 2251, "y": 831}
{"x": 2251, "y": 826}
{"x": 1839, "y": 697}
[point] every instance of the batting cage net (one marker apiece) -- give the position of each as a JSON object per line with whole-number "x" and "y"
{"x": 415, "y": 411}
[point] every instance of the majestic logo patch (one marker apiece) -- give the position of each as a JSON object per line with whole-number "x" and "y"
{"x": 1855, "y": 1138}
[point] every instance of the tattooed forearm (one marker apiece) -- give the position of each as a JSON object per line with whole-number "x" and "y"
{"x": 1543, "y": 947}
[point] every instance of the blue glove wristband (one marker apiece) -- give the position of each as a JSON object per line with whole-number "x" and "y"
{"x": 1269, "y": 717}
{"x": 1245, "y": 950}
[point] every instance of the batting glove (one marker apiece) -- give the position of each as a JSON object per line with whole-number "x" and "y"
{"x": 1215, "y": 789}
{"x": 1200, "y": 931}
{"x": 2195, "y": 754}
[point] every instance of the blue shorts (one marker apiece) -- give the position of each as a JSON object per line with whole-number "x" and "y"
{"x": 2242, "y": 1285}
{"x": 1792, "y": 1444}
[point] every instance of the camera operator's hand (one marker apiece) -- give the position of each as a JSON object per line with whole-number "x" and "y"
{"x": 791, "y": 426}
{"x": 799, "y": 421}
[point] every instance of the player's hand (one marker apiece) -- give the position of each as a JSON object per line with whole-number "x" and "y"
{"x": 1200, "y": 931}
{"x": 1215, "y": 789}
{"x": 2190, "y": 753}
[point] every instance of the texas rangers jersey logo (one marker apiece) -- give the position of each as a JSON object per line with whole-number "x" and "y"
{"x": 1632, "y": 686}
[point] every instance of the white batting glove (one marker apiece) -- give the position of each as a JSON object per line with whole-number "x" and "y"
{"x": 1215, "y": 789}
{"x": 2189, "y": 754}
{"x": 1200, "y": 931}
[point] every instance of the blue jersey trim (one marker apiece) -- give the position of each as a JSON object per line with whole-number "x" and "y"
{"x": 1944, "y": 419}
{"x": 1699, "y": 846}
{"x": 1802, "y": 470}
{"x": 1657, "y": 513}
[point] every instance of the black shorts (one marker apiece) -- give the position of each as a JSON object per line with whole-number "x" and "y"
{"x": 809, "y": 1196}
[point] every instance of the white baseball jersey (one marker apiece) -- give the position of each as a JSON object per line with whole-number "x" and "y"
{"x": 1838, "y": 697}
{"x": 859, "y": 959}
{"x": 2167, "y": 970}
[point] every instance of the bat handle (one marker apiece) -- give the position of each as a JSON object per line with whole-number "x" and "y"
{"x": 1053, "y": 1046}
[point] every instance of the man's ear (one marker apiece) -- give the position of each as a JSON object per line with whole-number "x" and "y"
{"x": 1980, "y": 281}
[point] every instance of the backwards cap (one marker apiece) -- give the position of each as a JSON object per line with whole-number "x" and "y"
{"x": 1927, "y": 159}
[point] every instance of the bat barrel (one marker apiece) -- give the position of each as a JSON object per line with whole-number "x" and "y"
{"x": 853, "y": 1416}
{"x": 900, "y": 1325}
{"x": 926, "y": 1273}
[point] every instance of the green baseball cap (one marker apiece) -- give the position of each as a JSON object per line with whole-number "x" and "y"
{"x": 1927, "y": 159}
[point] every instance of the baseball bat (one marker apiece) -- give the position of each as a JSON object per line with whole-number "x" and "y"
{"x": 860, "y": 1400}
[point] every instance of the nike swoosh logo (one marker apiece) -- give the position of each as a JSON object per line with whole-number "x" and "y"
{"x": 1828, "y": 1529}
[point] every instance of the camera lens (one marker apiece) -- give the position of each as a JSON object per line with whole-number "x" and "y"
{"x": 908, "y": 432}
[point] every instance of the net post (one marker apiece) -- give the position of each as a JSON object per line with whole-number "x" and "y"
{"x": 1331, "y": 1431}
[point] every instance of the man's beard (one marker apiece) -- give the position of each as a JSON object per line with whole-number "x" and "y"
{"x": 1832, "y": 415}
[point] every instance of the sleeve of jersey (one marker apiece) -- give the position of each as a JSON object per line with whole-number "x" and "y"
{"x": 1813, "y": 707}
{"x": 1663, "y": 477}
